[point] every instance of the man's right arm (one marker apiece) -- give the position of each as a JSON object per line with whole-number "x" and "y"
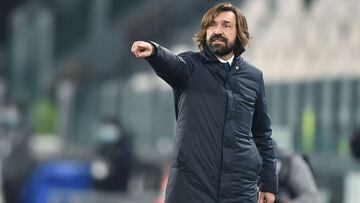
{"x": 170, "y": 67}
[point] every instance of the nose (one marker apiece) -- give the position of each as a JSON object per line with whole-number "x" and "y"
{"x": 218, "y": 30}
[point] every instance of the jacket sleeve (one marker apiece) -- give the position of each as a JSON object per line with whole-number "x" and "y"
{"x": 173, "y": 69}
{"x": 261, "y": 130}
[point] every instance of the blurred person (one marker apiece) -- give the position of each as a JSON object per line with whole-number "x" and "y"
{"x": 15, "y": 127}
{"x": 296, "y": 179}
{"x": 223, "y": 141}
{"x": 112, "y": 167}
{"x": 355, "y": 144}
{"x": 16, "y": 153}
{"x": 6, "y": 10}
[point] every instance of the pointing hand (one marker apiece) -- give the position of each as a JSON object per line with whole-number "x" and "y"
{"x": 142, "y": 49}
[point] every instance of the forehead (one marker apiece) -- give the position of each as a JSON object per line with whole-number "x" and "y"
{"x": 225, "y": 16}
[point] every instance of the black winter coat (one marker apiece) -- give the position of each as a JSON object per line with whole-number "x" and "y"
{"x": 223, "y": 144}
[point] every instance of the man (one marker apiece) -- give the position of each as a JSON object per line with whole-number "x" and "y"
{"x": 220, "y": 107}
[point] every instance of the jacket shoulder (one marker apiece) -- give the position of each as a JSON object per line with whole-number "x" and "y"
{"x": 252, "y": 70}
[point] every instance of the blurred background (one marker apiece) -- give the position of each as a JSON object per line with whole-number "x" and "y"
{"x": 82, "y": 120}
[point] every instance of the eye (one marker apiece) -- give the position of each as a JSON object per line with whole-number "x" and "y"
{"x": 227, "y": 26}
{"x": 212, "y": 24}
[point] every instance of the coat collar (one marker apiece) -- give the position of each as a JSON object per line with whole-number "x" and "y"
{"x": 217, "y": 65}
{"x": 210, "y": 57}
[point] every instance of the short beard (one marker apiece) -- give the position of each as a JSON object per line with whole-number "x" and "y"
{"x": 219, "y": 50}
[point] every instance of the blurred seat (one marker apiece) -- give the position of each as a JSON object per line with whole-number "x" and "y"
{"x": 54, "y": 176}
{"x": 323, "y": 41}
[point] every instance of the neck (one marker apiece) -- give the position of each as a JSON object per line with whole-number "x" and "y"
{"x": 226, "y": 57}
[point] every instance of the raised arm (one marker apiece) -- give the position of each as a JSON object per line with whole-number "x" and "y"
{"x": 175, "y": 70}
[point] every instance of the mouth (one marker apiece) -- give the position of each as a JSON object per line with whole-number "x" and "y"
{"x": 217, "y": 40}
{"x": 218, "y": 43}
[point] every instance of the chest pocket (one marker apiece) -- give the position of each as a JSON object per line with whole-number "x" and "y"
{"x": 247, "y": 102}
{"x": 245, "y": 91}
{"x": 244, "y": 108}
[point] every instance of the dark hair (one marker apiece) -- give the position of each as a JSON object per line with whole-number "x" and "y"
{"x": 242, "y": 32}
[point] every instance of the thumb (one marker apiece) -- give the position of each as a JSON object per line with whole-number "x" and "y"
{"x": 261, "y": 198}
{"x": 144, "y": 54}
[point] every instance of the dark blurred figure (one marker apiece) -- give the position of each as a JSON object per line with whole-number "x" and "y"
{"x": 111, "y": 170}
{"x": 17, "y": 159}
{"x": 6, "y": 9}
{"x": 307, "y": 4}
{"x": 296, "y": 179}
{"x": 355, "y": 144}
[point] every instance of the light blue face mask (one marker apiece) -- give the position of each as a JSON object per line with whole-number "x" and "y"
{"x": 12, "y": 117}
{"x": 108, "y": 133}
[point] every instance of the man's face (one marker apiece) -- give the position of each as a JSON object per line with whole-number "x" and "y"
{"x": 221, "y": 34}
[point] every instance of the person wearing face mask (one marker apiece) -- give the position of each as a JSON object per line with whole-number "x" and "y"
{"x": 18, "y": 161}
{"x": 223, "y": 143}
{"x": 111, "y": 170}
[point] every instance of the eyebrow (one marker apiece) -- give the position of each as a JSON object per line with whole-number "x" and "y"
{"x": 223, "y": 21}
